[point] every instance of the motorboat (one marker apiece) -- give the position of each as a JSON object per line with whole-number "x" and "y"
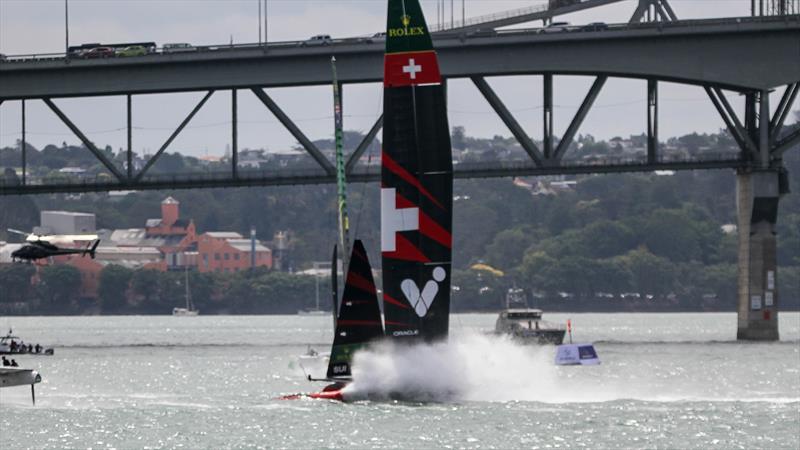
{"x": 13, "y": 345}
{"x": 526, "y": 324}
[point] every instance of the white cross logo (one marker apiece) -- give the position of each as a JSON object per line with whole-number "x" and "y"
{"x": 412, "y": 69}
{"x": 394, "y": 219}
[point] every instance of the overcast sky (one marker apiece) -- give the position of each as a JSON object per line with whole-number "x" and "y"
{"x": 37, "y": 26}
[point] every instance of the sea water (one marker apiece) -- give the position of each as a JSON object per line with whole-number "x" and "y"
{"x": 666, "y": 381}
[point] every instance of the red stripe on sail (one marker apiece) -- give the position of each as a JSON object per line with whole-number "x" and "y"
{"x": 411, "y": 68}
{"x": 401, "y": 172}
{"x": 427, "y": 226}
{"x": 354, "y": 279}
{"x": 388, "y": 299}
{"x": 358, "y": 322}
{"x": 433, "y": 230}
{"x": 401, "y": 202}
{"x": 406, "y": 251}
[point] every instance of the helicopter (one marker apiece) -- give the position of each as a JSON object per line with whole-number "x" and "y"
{"x": 40, "y": 247}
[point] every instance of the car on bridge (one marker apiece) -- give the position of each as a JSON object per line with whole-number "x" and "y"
{"x": 133, "y": 50}
{"x": 595, "y": 26}
{"x": 377, "y": 37}
{"x": 99, "y": 52}
{"x": 556, "y": 27}
{"x": 180, "y": 47}
{"x": 320, "y": 39}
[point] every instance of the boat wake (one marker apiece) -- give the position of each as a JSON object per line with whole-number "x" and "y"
{"x": 466, "y": 368}
{"x": 481, "y": 368}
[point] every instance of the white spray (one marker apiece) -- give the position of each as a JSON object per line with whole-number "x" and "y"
{"x": 467, "y": 368}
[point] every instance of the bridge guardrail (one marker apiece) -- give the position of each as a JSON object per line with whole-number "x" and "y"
{"x": 244, "y": 175}
{"x": 795, "y": 18}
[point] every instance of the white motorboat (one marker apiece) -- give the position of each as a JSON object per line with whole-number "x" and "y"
{"x": 13, "y": 345}
{"x": 526, "y": 324}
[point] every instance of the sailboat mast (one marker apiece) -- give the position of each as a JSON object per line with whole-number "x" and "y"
{"x": 341, "y": 182}
{"x": 186, "y": 284}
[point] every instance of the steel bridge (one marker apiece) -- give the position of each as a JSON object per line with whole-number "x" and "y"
{"x": 755, "y": 57}
{"x": 747, "y": 56}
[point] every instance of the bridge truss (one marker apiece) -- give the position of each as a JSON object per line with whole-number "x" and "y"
{"x": 759, "y": 135}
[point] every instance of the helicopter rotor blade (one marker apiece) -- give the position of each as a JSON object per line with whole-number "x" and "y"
{"x": 21, "y": 233}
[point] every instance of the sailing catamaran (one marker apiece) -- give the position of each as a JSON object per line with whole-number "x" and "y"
{"x": 416, "y": 208}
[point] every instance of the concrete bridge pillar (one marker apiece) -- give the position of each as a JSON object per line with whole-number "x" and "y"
{"x": 757, "y": 195}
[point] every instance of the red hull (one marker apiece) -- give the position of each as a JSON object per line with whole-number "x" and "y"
{"x": 331, "y": 392}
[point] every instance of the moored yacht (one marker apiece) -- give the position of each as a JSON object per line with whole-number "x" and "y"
{"x": 190, "y": 310}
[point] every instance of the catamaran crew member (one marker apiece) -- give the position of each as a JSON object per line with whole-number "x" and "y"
{"x": 6, "y": 363}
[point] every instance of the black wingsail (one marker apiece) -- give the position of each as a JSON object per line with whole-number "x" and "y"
{"x": 359, "y": 321}
{"x": 416, "y": 181}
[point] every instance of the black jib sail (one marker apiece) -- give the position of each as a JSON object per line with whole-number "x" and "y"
{"x": 359, "y": 321}
{"x": 416, "y": 181}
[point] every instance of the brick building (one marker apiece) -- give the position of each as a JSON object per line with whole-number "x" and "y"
{"x": 219, "y": 251}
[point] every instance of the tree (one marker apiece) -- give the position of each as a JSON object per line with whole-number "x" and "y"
{"x": 508, "y": 247}
{"x": 59, "y": 286}
{"x": 145, "y": 285}
{"x": 537, "y": 271}
{"x": 604, "y": 239}
{"x": 672, "y": 234}
{"x": 113, "y": 287}
{"x": 15, "y": 280}
{"x": 651, "y": 274}
{"x": 459, "y": 138}
{"x": 478, "y": 224}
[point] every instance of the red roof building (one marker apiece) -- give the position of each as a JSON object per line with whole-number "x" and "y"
{"x": 229, "y": 252}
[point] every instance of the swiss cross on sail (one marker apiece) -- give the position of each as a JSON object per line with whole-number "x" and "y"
{"x": 412, "y": 69}
{"x": 416, "y": 181}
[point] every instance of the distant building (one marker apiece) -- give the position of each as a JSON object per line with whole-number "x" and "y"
{"x": 65, "y": 222}
{"x": 219, "y": 251}
{"x": 165, "y": 243}
{"x": 280, "y": 244}
{"x": 72, "y": 170}
{"x": 252, "y": 159}
{"x": 169, "y": 234}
